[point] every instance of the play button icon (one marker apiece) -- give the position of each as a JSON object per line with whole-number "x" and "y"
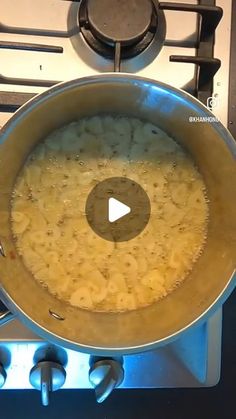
{"x": 117, "y": 209}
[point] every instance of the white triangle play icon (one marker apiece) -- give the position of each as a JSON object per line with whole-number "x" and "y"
{"x": 116, "y": 210}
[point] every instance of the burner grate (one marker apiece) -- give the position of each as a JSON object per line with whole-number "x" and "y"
{"x": 205, "y": 64}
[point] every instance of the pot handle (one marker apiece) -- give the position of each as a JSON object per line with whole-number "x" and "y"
{"x": 5, "y": 315}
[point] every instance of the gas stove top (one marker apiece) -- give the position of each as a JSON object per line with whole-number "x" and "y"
{"x": 45, "y": 42}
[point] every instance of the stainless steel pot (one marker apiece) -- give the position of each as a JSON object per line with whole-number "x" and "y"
{"x": 212, "y": 279}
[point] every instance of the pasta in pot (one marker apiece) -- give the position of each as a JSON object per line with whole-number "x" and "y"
{"x": 58, "y": 246}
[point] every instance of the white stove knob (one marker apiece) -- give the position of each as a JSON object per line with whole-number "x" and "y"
{"x": 105, "y": 375}
{"x": 47, "y": 376}
{"x": 3, "y": 376}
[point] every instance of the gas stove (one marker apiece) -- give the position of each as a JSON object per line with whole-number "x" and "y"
{"x": 45, "y": 42}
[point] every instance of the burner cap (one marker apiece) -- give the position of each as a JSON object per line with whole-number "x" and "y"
{"x": 125, "y": 21}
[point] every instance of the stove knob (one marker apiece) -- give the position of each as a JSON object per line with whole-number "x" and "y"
{"x": 47, "y": 376}
{"x": 3, "y": 376}
{"x": 105, "y": 375}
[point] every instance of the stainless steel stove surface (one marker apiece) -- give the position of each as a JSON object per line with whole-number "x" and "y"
{"x": 44, "y": 42}
{"x": 191, "y": 361}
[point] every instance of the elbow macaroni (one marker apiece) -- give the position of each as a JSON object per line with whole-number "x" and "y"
{"x": 55, "y": 240}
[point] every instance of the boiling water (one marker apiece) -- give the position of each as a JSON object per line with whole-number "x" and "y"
{"x": 53, "y": 236}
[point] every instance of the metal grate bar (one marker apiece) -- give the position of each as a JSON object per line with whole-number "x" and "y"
{"x": 206, "y": 65}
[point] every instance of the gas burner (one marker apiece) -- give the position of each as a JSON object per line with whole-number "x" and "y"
{"x": 120, "y": 29}
{"x": 124, "y": 22}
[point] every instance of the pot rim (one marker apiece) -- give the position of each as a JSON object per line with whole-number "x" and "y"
{"x": 122, "y": 77}
{"x": 223, "y": 132}
{"x": 95, "y": 350}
